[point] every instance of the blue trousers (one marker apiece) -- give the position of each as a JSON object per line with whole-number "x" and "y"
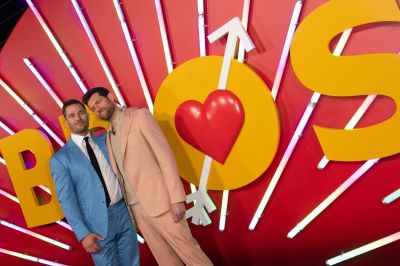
{"x": 120, "y": 246}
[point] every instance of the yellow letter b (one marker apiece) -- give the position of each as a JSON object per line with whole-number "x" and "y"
{"x": 25, "y": 180}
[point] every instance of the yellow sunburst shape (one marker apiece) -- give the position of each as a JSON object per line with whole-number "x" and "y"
{"x": 257, "y": 143}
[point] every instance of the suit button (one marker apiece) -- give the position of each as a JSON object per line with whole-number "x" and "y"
{"x": 103, "y": 202}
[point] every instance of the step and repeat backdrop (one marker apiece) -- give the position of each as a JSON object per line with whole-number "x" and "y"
{"x": 282, "y": 116}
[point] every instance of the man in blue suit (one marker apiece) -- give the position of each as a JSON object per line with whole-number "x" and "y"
{"x": 90, "y": 195}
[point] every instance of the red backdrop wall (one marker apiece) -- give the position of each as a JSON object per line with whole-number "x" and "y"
{"x": 356, "y": 218}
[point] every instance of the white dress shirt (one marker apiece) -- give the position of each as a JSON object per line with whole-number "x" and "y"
{"x": 110, "y": 179}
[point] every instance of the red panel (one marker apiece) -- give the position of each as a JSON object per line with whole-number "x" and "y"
{"x": 356, "y": 218}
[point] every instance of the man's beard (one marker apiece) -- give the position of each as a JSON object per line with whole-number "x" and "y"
{"x": 108, "y": 113}
{"x": 80, "y": 130}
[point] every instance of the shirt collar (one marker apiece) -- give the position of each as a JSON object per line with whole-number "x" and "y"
{"x": 78, "y": 139}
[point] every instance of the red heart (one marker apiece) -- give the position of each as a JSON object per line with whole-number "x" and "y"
{"x": 212, "y": 127}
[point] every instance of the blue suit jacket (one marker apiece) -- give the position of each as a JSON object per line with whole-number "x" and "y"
{"x": 79, "y": 189}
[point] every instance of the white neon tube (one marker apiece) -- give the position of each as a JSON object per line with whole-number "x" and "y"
{"x": 364, "y": 249}
{"x": 6, "y": 128}
{"x": 140, "y": 239}
{"x": 352, "y": 123}
{"x": 132, "y": 51}
{"x": 9, "y": 131}
{"x": 30, "y": 258}
{"x": 293, "y": 142}
{"x": 201, "y": 26}
{"x": 57, "y": 46}
{"x": 31, "y": 112}
{"x": 391, "y": 197}
{"x": 241, "y": 53}
{"x": 164, "y": 36}
{"x": 9, "y": 196}
{"x": 245, "y": 23}
{"x": 202, "y": 48}
{"x": 36, "y": 235}
{"x": 324, "y": 204}
{"x": 98, "y": 51}
{"x": 42, "y": 81}
{"x": 224, "y": 208}
{"x": 15, "y": 199}
{"x": 282, "y": 164}
{"x": 286, "y": 47}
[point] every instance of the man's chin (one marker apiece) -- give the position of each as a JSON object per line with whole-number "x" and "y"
{"x": 81, "y": 130}
{"x": 105, "y": 117}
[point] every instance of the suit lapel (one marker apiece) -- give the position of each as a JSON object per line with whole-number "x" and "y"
{"x": 125, "y": 125}
{"x": 76, "y": 153}
{"x": 113, "y": 163}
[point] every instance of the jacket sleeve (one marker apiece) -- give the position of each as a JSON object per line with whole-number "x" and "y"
{"x": 165, "y": 157}
{"x": 68, "y": 198}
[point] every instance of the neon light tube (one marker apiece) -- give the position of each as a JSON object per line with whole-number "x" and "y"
{"x": 28, "y": 257}
{"x": 286, "y": 47}
{"x": 6, "y": 128}
{"x": 9, "y": 196}
{"x": 323, "y": 205}
{"x": 245, "y": 22}
{"x": 135, "y": 59}
{"x": 352, "y": 123}
{"x": 224, "y": 207}
{"x": 132, "y": 51}
{"x": 56, "y": 45}
{"x": 15, "y": 199}
{"x": 201, "y": 26}
{"x": 286, "y": 156}
{"x": 391, "y": 197}
{"x": 164, "y": 36}
{"x": 98, "y": 52}
{"x": 364, "y": 249}
{"x": 9, "y": 131}
{"x": 295, "y": 138}
{"x": 31, "y": 112}
{"x": 42, "y": 81}
{"x": 140, "y": 239}
{"x": 202, "y": 48}
{"x": 241, "y": 53}
{"x": 36, "y": 235}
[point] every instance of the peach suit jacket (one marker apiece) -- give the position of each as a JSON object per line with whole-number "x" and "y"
{"x": 148, "y": 162}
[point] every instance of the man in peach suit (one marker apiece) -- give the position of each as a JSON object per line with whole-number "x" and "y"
{"x": 146, "y": 166}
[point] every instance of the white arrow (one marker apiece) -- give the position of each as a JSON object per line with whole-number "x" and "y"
{"x": 234, "y": 29}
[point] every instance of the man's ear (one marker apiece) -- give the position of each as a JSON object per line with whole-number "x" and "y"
{"x": 110, "y": 97}
{"x": 66, "y": 122}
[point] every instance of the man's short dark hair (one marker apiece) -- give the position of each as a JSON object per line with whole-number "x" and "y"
{"x": 71, "y": 102}
{"x": 100, "y": 90}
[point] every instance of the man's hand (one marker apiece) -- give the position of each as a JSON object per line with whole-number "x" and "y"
{"x": 89, "y": 243}
{"x": 177, "y": 211}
